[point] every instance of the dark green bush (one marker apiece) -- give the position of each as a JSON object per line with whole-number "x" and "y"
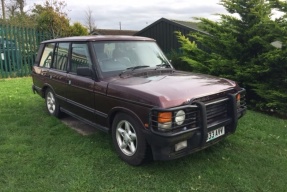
{"x": 177, "y": 62}
{"x": 240, "y": 48}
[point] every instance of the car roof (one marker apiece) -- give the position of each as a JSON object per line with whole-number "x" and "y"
{"x": 100, "y": 38}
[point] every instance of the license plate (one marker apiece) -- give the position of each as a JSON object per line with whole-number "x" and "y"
{"x": 215, "y": 133}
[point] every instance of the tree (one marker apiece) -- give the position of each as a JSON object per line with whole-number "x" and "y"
{"x": 239, "y": 47}
{"x": 51, "y": 18}
{"x": 90, "y": 20}
{"x": 15, "y": 7}
{"x": 77, "y": 29}
{"x": 22, "y": 20}
{"x": 12, "y": 7}
{"x": 3, "y": 9}
{"x": 21, "y": 4}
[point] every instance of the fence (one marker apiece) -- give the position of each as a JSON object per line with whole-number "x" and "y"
{"x": 18, "y": 49}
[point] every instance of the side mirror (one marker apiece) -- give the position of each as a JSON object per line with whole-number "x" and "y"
{"x": 84, "y": 71}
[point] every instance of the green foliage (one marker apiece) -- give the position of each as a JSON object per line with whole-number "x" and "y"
{"x": 239, "y": 47}
{"x": 19, "y": 20}
{"x": 50, "y": 17}
{"x": 77, "y": 29}
{"x": 177, "y": 62}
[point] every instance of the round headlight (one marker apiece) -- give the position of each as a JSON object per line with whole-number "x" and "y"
{"x": 179, "y": 117}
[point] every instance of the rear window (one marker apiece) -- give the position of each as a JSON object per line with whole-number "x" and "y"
{"x": 46, "y": 59}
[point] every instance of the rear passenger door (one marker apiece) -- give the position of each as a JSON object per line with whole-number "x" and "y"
{"x": 57, "y": 73}
{"x": 42, "y": 65}
{"x": 80, "y": 90}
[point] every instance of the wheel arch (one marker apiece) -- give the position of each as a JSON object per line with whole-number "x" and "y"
{"x": 117, "y": 110}
{"x": 44, "y": 89}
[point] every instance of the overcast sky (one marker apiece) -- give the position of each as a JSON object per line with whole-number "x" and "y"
{"x": 137, "y": 14}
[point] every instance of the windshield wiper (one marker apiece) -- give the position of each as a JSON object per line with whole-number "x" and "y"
{"x": 166, "y": 65}
{"x": 137, "y": 67}
{"x": 134, "y": 68}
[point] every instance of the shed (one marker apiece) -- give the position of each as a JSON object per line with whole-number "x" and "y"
{"x": 163, "y": 30}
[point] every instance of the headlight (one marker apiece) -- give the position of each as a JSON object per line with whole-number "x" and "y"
{"x": 179, "y": 117}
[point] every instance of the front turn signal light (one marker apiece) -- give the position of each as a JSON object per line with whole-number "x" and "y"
{"x": 238, "y": 100}
{"x": 164, "y": 117}
{"x": 238, "y": 97}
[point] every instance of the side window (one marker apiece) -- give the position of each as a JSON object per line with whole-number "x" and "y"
{"x": 46, "y": 59}
{"x": 60, "y": 60}
{"x": 80, "y": 56}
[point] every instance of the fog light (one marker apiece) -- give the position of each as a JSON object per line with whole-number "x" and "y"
{"x": 180, "y": 145}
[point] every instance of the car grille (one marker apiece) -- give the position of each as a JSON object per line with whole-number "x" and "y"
{"x": 217, "y": 111}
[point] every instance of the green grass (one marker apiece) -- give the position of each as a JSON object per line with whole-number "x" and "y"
{"x": 39, "y": 153}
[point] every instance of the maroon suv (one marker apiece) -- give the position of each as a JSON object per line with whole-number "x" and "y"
{"x": 126, "y": 86}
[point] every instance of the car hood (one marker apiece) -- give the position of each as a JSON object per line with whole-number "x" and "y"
{"x": 167, "y": 90}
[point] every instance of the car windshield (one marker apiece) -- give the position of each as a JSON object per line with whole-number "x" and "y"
{"x": 114, "y": 57}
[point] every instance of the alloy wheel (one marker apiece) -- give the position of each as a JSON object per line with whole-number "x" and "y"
{"x": 126, "y": 138}
{"x": 51, "y": 102}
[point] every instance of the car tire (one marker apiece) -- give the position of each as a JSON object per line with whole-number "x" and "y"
{"x": 52, "y": 103}
{"x": 128, "y": 139}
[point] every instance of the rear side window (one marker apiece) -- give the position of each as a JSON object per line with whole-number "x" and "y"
{"x": 60, "y": 60}
{"x": 46, "y": 59}
{"x": 80, "y": 56}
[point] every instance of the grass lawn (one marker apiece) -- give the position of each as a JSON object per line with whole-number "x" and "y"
{"x": 39, "y": 153}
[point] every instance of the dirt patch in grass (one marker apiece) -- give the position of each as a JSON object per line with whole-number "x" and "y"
{"x": 77, "y": 125}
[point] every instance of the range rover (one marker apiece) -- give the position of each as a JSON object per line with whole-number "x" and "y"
{"x": 125, "y": 86}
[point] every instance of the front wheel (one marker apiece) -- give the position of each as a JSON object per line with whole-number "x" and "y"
{"x": 128, "y": 140}
{"x": 52, "y": 103}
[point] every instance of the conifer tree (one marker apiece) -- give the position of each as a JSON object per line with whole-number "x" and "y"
{"x": 248, "y": 46}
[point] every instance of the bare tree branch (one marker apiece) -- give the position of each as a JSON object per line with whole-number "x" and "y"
{"x": 90, "y": 20}
{"x": 14, "y": 7}
{"x": 21, "y": 4}
{"x": 3, "y": 9}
